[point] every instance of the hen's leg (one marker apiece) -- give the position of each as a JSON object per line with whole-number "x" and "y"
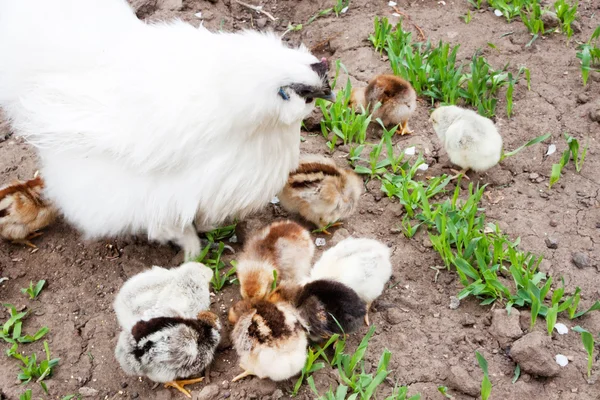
{"x": 180, "y": 385}
{"x": 186, "y": 238}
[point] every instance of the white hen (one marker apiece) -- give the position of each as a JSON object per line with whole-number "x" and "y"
{"x": 160, "y": 292}
{"x": 361, "y": 264}
{"x": 471, "y": 141}
{"x": 148, "y": 128}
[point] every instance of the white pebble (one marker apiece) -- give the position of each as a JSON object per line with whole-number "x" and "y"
{"x": 198, "y": 14}
{"x": 423, "y": 167}
{"x": 344, "y": 10}
{"x": 392, "y": 4}
{"x": 275, "y": 200}
{"x": 320, "y": 242}
{"x": 551, "y": 149}
{"x": 410, "y": 151}
{"x": 498, "y": 13}
{"x": 561, "y": 329}
{"x": 562, "y": 360}
{"x": 396, "y": 15}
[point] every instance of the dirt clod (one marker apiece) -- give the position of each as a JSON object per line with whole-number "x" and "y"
{"x": 550, "y": 20}
{"x": 208, "y": 392}
{"x": 460, "y": 380}
{"x": 454, "y": 302}
{"x": 505, "y": 328}
{"x": 534, "y": 353}
{"x": 551, "y": 243}
{"x": 394, "y": 316}
{"x": 86, "y": 391}
{"x": 581, "y": 260}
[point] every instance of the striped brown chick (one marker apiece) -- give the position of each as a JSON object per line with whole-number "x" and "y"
{"x": 269, "y": 339}
{"x": 24, "y": 211}
{"x": 284, "y": 247}
{"x": 321, "y": 192}
{"x": 397, "y": 98}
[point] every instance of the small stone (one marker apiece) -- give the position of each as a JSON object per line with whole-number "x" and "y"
{"x": 467, "y": 320}
{"x": 550, "y": 20}
{"x": 213, "y": 1}
{"x": 460, "y": 380}
{"x": 583, "y": 98}
{"x": 393, "y": 316}
{"x": 454, "y": 302}
{"x": 505, "y": 328}
{"x": 553, "y": 223}
{"x": 533, "y": 176}
{"x": 544, "y": 195}
{"x": 534, "y": 354}
{"x": 88, "y": 391}
{"x": 436, "y": 315}
{"x": 135, "y": 395}
{"x": 576, "y": 26}
{"x": 124, "y": 385}
{"x": 261, "y": 23}
{"x": 595, "y": 114}
{"x": 278, "y": 394}
{"x": 427, "y": 242}
{"x": 339, "y": 235}
{"x": 551, "y": 243}
{"x": 395, "y": 231}
{"x": 581, "y": 260}
{"x": 208, "y": 392}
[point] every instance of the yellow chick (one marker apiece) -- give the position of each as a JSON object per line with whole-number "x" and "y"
{"x": 269, "y": 339}
{"x": 321, "y": 192}
{"x": 283, "y": 246}
{"x": 24, "y": 211}
{"x": 397, "y": 97}
{"x": 471, "y": 141}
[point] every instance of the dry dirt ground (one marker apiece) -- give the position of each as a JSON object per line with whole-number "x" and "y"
{"x": 431, "y": 344}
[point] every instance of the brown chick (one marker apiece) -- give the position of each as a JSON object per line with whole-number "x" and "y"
{"x": 321, "y": 192}
{"x": 283, "y": 246}
{"x": 397, "y": 97}
{"x": 24, "y": 211}
{"x": 269, "y": 339}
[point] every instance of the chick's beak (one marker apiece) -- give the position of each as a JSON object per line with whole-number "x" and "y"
{"x": 327, "y": 96}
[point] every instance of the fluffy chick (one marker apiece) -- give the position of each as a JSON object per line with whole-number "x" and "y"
{"x": 284, "y": 246}
{"x": 329, "y": 307}
{"x": 167, "y": 332}
{"x": 24, "y": 210}
{"x": 361, "y": 264}
{"x": 397, "y": 97}
{"x": 269, "y": 339}
{"x": 471, "y": 141}
{"x": 321, "y": 192}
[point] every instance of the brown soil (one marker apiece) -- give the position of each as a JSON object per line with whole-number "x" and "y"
{"x": 432, "y": 344}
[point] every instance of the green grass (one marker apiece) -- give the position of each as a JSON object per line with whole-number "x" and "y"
{"x": 532, "y": 18}
{"x": 12, "y": 329}
{"x": 31, "y": 370}
{"x": 589, "y": 55}
{"x": 588, "y": 343}
{"x": 340, "y": 122}
{"x": 435, "y": 71}
{"x": 511, "y": 8}
{"x": 212, "y": 259}
{"x": 533, "y": 141}
{"x": 33, "y": 291}
{"x": 566, "y": 13}
{"x": 468, "y": 17}
{"x": 486, "y": 385}
{"x": 571, "y": 153}
{"x": 337, "y": 9}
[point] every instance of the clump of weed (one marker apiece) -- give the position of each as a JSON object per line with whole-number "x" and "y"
{"x": 33, "y": 291}
{"x": 589, "y": 54}
{"x": 571, "y": 153}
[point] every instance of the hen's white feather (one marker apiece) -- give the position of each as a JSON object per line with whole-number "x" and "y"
{"x": 471, "y": 141}
{"x": 361, "y": 264}
{"x": 160, "y": 292}
{"x": 148, "y": 127}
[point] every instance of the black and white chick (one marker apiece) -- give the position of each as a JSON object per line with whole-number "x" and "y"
{"x": 168, "y": 333}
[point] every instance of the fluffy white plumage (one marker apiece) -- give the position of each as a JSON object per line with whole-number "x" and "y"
{"x": 148, "y": 128}
{"x": 361, "y": 264}
{"x": 471, "y": 141}
{"x": 160, "y": 292}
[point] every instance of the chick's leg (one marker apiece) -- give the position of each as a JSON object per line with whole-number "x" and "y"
{"x": 242, "y": 375}
{"x": 25, "y": 242}
{"x": 180, "y": 385}
{"x": 325, "y": 231}
{"x": 367, "y": 314}
{"x": 404, "y": 130}
{"x": 462, "y": 172}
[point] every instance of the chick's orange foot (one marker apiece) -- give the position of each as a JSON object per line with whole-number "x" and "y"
{"x": 180, "y": 385}
{"x": 462, "y": 172}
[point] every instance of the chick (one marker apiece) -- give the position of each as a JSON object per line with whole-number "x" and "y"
{"x": 283, "y": 246}
{"x": 321, "y": 192}
{"x": 361, "y": 264}
{"x": 329, "y": 307}
{"x": 471, "y": 141}
{"x": 24, "y": 211}
{"x": 397, "y": 97}
{"x": 167, "y": 335}
{"x": 269, "y": 339}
